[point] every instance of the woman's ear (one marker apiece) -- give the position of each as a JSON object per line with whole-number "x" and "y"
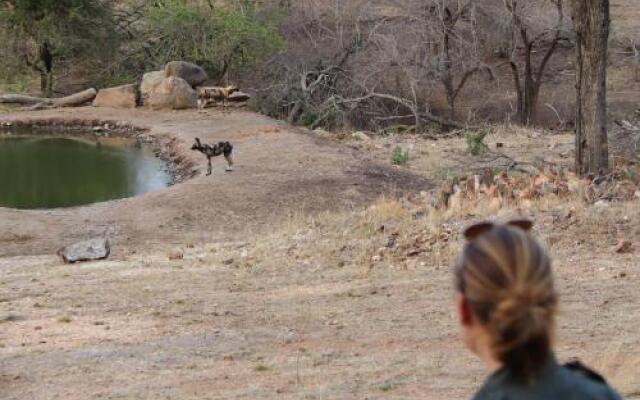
{"x": 465, "y": 318}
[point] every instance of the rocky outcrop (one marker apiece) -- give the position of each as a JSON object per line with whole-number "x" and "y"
{"x": 193, "y": 74}
{"x": 125, "y": 96}
{"x": 172, "y": 94}
{"x": 149, "y": 82}
{"x": 94, "y": 249}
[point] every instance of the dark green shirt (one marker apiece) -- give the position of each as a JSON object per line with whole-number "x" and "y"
{"x": 555, "y": 383}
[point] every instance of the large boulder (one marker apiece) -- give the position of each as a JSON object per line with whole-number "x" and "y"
{"x": 149, "y": 82}
{"x": 173, "y": 94}
{"x": 125, "y": 96}
{"x": 191, "y": 73}
{"x": 94, "y": 249}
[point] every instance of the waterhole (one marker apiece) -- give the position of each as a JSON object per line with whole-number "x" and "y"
{"x": 49, "y": 171}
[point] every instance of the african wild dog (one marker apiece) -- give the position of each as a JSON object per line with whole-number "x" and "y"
{"x": 213, "y": 94}
{"x": 210, "y": 151}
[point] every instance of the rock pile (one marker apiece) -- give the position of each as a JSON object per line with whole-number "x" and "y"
{"x": 172, "y": 88}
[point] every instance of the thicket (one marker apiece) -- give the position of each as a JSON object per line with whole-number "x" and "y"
{"x": 105, "y": 42}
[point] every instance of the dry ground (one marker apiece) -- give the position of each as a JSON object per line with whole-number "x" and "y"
{"x": 281, "y": 296}
{"x": 312, "y": 309}
{"x": 279, "y": 170}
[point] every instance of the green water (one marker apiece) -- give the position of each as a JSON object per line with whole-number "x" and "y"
{"x": 49, "y": 172}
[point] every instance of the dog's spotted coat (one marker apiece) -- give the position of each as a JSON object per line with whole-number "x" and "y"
{"x": 214, "y": 150}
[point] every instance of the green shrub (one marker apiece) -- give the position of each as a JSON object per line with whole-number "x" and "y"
{"x": 399, "y": 156}
{"x": 387, "y": 386}
{"x": 218, "y": 39}
{"x": 308, "y": 119}
{"x": 475, "y": 142}
{"x": 261, "y": 368}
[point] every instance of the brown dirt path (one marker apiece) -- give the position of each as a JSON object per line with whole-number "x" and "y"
{"x": 280, "y": 170}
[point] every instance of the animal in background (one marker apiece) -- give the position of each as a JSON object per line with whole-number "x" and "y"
{"x": 213, "y": 94}
{"x": 214, "y": 150}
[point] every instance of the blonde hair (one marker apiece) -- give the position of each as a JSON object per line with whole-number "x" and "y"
{"x": 505, "y": 277}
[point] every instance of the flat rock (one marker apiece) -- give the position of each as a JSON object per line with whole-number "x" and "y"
{"x": 93, "y": 249}
{"x": 239, "y": 97}
{"x": 125, "y": 96}
{"x": 191, "y": 73}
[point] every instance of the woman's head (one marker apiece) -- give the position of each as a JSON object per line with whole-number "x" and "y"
{"x": 506, "y": 296}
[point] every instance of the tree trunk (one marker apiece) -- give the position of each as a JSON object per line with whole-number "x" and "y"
{"x": 529, "y": 94}
{"x": 591, "y": 22}
{"x": 530, "y": 101}
{"x": 46, "y": 74}
{"x": 39, "y": 103}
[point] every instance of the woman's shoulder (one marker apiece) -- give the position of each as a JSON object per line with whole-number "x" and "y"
{"x": 573, "y": 381}
{"x": 590, "y": 383}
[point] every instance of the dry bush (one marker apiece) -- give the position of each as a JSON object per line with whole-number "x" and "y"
{"x": 379, "y": 64}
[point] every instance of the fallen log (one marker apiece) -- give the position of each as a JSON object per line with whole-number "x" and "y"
{"x": 20, "y": 99}
{"x": 40, "y": 103}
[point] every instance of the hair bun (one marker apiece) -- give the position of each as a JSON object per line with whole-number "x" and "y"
{"x": 516, "y": 320}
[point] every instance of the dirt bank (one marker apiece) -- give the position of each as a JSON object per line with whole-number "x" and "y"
{"x": 280, "y": 170}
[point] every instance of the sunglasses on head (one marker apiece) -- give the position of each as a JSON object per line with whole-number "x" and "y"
{"x": 478, "y": 229}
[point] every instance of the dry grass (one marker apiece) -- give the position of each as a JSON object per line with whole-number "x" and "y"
{"x": 344, "y": 304}
{"x": 348, "y": 304}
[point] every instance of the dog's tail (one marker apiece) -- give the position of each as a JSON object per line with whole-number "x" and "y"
{"x": 198, "y": 143}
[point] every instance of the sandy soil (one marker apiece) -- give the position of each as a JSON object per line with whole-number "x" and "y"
{"x": 279, "y": 170}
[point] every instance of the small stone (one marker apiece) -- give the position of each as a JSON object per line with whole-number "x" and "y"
{"x": 228, "y": 261}
{"x": 360, "y": 136}
{"x": 602, "y": 204}
{"x": 93, "y": 249}
{"x": 322, "y": 133}
{"x": 637, "y": 194}
{"x": 176, "y": 254}
{"x": 623, "y": 246}
{"x": 391, "y": 241}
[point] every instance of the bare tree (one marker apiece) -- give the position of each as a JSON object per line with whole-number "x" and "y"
{"x": 591, "y": 22}
{"x": 414, "y": 48}
{"x": 458, "y": 52}
{"x": 528, "y": 35}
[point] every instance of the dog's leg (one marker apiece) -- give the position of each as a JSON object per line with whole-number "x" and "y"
{"x": 228, "y": 155}
{"x": 209, "y": 167}
{"x": 229, "y": 159}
